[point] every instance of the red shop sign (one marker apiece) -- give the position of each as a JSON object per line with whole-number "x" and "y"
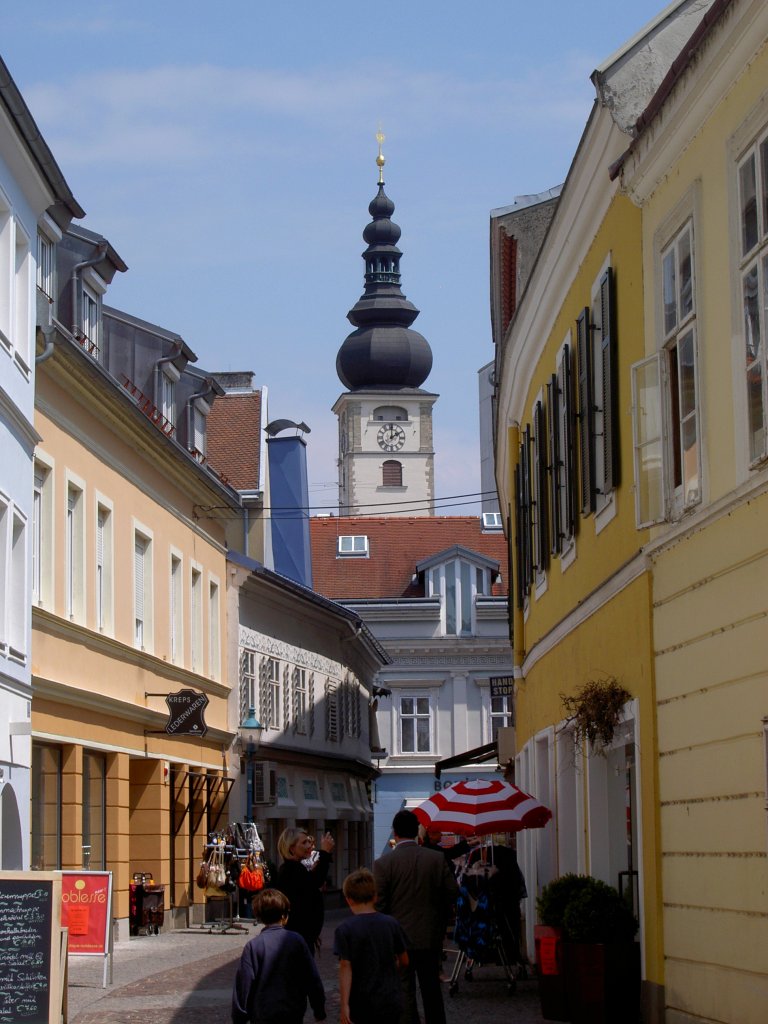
{"x": 86, "y": 910}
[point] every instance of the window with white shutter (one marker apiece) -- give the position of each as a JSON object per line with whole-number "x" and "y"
{"x": 177, "y": 611}
{"x": 143, "y": 594}
{"x": 75, "y": 554}
{"x": 214, "y": 631}
{"x": 196, "y": 620}
{"x": 139, "y": 566}
{"x": 665, "y": 396}
{"x": 103, "y": 567}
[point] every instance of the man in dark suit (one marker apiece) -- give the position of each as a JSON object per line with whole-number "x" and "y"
{"x": 416, "y": 886}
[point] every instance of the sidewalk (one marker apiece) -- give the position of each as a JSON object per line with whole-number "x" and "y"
{"x": 186, "y": 977}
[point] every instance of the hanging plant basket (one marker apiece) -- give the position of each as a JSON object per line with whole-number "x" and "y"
{"x": 595, "y": 711}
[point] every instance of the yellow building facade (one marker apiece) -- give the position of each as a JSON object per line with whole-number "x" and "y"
{"x": 129, "y": 607}
{"x": 699, "y": 171}
{"x": 582, "y": 586}
{"x": 584, "y": 612}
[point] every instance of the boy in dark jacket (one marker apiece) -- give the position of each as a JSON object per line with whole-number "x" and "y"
{"x": 371, "y": 951}
{"x": 277, "y": 972}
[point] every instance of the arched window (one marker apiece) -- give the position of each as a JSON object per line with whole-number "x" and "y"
{"x": 390, "y": 413}
{"x": 392, "y": 473}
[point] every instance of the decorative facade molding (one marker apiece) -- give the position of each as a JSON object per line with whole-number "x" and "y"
{"x": 263, "y": 644}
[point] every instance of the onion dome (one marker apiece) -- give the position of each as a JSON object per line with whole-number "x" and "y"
{"x": 384, "y": 352}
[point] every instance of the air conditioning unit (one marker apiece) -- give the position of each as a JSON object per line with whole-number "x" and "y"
{"x": 264, "y": 784}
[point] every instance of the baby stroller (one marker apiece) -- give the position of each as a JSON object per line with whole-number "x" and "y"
{"x": 487, "y": 927}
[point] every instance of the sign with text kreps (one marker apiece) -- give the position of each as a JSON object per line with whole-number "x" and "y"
{"x": 186, "y": 711}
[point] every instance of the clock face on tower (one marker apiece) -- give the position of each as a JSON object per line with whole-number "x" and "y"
{"x": 391, "y": 437}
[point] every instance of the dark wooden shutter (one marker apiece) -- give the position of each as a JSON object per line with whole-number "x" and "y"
{"x": 527, "y": 507}
{"x": 392, "y": 473}
{"x": 610, "y": 396}
{"x": 586, "y": 413}
{"x": 555, "y": 463}
{"x": 540, "y": 468}
{"x": 568, "y": 454}
{"x": 520, "y": 587}
{"x": 512, "y": 570}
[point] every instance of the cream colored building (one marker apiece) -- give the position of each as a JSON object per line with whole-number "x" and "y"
{"x": 699, "y": 170}
{"x": 129, "y": 607}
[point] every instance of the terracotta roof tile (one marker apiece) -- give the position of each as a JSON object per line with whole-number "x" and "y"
{"x": 396, "y": 544}
{"x": 234, "y": 438}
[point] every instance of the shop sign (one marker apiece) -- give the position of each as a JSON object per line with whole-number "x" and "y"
{"x": 502, "y": 686}
{"x": 186, "y": 710}
{"x": 85, "y": 909}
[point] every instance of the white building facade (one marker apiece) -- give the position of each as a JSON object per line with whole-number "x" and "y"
{"x": 30, "y": 185}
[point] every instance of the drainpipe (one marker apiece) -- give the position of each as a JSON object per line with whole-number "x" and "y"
{"x": 76, "y": 272}
{"x": 48, "y": 333}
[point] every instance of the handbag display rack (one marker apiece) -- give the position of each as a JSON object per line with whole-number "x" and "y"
{"x": 215, "y": 876}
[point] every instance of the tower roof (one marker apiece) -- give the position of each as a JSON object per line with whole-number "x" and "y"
{"x": 384, "y": 351}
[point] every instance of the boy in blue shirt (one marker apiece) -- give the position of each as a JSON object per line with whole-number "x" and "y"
{"x": 371, "y": 951}
{"x": 277, "y": 972}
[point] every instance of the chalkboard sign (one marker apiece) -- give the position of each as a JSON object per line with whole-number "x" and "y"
{"x": 30, "y": 935}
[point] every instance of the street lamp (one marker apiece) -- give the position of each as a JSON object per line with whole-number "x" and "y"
{"x": 249, "y": 737}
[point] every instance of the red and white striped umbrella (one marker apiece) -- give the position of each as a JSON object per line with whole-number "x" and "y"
{"x": 478, "y": 808}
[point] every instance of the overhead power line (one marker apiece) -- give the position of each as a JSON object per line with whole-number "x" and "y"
{"x": 450, "y": 501}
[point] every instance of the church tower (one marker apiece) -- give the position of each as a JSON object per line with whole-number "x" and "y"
{"x": 386, "y": 453}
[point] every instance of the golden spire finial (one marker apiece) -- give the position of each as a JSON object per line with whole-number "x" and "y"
{"x": 380, "y": 161}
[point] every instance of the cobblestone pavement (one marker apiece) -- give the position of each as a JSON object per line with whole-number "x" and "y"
{"x": 186, "y": 977}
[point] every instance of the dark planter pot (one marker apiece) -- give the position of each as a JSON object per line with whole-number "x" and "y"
{"x": 602, "y": 982}
{"x": 551, "y": 972}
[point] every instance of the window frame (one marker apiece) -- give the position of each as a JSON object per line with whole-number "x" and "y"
{"x": 658, "y": 439}
{"x": 392, "y": 468}
{"x": 104, "y": 603}
{"x": 74, "y": 548}
{"x": 196, "y": 617}
{"x": 671, "y": 340}
{"x": 176, "y": 606}
{"x": 43, "y": 531}
{"x": 415, "y": 717}
{"x": 272, "y": 694}
{"x": 754, "y": 258}
{"x": 506, "y": 712}
{"x": 49, "y": 234}
{"x": 143, "y": 589}
{"x": 357, "y": 548}
{"x": 561, "y": 410}
{"x": 598, "y": 417}
{"x": 214, "y": 627}
{"x": 300, "y": 700}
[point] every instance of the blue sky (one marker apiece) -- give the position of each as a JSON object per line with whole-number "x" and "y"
{"x": 227, "y": 151}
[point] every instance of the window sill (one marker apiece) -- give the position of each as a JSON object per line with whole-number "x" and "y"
{"x": 606, "y": 514}
{"x": 568, "y": 557}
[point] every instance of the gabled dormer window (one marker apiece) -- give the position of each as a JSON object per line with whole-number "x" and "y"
{"x": 458, "y": 582}
{"x": 353, "y": 546}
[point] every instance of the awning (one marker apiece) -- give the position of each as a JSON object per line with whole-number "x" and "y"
{"x": 479, "y": 755}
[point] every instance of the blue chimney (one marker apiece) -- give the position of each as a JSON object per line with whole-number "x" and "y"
{"x": 289, "y": 503}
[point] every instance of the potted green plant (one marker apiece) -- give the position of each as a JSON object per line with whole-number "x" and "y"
{"x": 549, "y": 938}
{"x": 602, "y": 960}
